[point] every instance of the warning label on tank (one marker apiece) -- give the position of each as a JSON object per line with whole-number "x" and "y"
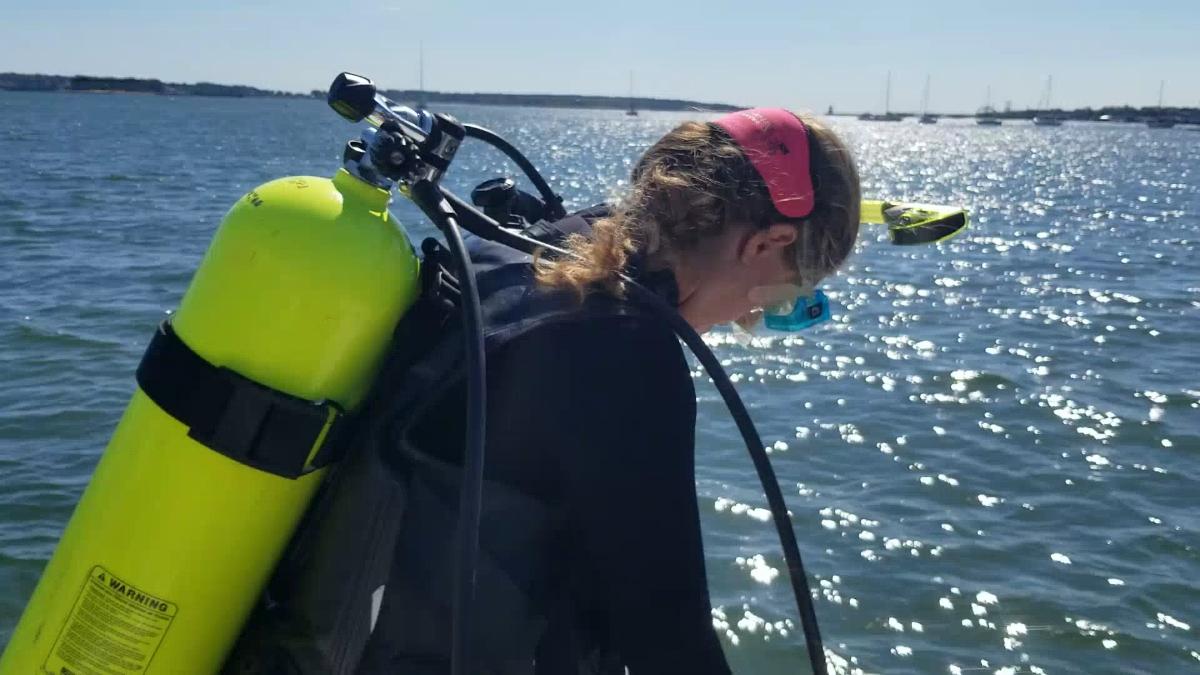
{"x": 114, "y": 629}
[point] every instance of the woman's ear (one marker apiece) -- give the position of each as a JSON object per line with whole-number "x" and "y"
{"x": 766, "y": 242}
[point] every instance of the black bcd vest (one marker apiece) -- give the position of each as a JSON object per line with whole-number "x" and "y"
{"x": 366, "y": 583}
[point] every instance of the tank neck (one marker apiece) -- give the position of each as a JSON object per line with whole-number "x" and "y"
{"x": 354, "y": 187}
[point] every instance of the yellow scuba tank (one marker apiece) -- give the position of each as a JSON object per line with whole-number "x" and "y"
{"x": 220, "y": 449}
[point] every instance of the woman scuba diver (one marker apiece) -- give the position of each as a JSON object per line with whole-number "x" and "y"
{"x": 591, "y": 558}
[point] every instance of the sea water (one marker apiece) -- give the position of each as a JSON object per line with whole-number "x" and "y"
{"x": 990, "y": 454}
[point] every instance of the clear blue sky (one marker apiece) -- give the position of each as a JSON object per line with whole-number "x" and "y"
{"x": 794, "y": 53}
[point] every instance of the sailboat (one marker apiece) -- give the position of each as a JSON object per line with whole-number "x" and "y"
{"x": 888, "y": 115}
{"x": 632, "y": 112}
{"x": 1047, "y": 119}
{"x": 926, "y": 118}
{"x": 1160, "y": 122}
{"x": 986, "y": 117}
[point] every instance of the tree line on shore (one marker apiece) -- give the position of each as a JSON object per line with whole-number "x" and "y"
{"x": 87, "y": 83}
{"x": 134, "y": 85}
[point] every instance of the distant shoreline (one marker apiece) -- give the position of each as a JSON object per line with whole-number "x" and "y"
{"x": 128, "y": 85}
{"x": 580, "y": 101}
{"x": 131, "y": 85}
{"x": 1105, "y": 114}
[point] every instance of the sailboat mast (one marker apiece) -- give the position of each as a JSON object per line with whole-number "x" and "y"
{"x": 632, "y": 111}
{"x": 925, "y": 98}
{"x": 887, "y": 96}
{"x": 1161, "y": 84}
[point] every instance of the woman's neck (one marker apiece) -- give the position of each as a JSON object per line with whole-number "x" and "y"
{"x": 687, "y": 278}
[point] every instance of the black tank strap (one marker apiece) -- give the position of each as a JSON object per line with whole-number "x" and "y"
{"x": 235, "y": 416}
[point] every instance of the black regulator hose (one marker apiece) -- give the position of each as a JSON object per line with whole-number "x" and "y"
{"x": 430, "y": 199}
{"x": 554, "y": 207}
{"x": 483, "y": 226}
{"x": 762, "y": 464}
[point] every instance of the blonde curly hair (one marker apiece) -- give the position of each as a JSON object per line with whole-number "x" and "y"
{"x": 694, "y": 183}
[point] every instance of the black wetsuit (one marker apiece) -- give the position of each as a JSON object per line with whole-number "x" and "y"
{"x": 596, "y": 417}
{"x": 590, "y": 551}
